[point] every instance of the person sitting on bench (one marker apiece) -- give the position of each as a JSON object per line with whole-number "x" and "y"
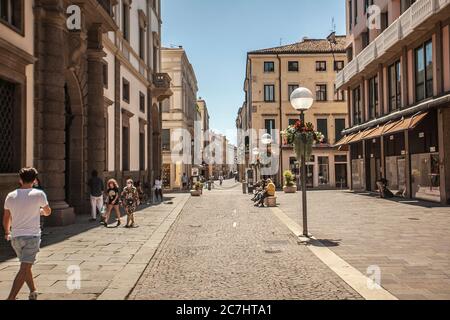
{"x": 269, "y": 191}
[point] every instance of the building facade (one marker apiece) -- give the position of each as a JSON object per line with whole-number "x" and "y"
{"x": 398, "y": 83}
{"x": 81, "y": 92}
{"x": 271, "y": 76}
{"x": 179, "y": 116}
{"x": 202, "y": 143}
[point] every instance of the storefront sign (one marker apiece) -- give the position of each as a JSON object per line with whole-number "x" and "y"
{"x": 422, "y": 135}
{"x": 403, "y": 152}
{"x": 433, "y": 149}
{"x": 391, "y": 138}
{"x": 195, "y": 172}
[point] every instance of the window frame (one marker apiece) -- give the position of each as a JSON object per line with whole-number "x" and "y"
{"x": 325, "y": 134}
{"x": 339, "y": 95}
{"x": 374, "y": 100}
{"x": 126, "y": 93}
{"x": 319, "y": 91}
{"x": 321, "y": 66}
{"x": 21, "y": 28}
{"x": 142, "y": 102}
{"x": 426, "y": 80}
{"x": 338, "y": 133}
{"x": 356, "y": 108}
{"x": 266, "y": 87}
{"x": 336, "y": 69}
{"x": 268, "y": 63}
{"x": 290, "y": 86}
{"x": 395, "y": 67}
{"x": 294, "y": 69}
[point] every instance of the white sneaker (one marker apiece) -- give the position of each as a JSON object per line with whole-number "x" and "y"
{"x": 33, "y": 296}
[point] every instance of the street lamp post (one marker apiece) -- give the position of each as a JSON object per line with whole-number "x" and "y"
{"x": 256, "y": 154}
{"x": 266, "y": 140}
{"x": 302, "y": 100}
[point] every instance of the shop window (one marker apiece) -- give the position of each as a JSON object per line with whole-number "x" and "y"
{"x": 324, "y": 171}
{"x": 425, "y": 177}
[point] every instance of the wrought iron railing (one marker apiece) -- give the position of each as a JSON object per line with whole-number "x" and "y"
{"x": 162, "y": 80}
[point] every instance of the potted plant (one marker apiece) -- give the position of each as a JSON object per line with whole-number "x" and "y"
{"x": 197, "y": 191}
{"x": 302, "y": 136}
{"x": 289, "y": 182}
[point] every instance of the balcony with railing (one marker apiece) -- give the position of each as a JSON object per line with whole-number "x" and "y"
{"x": 161, "y": 82}
{"x": 401, "y": 29}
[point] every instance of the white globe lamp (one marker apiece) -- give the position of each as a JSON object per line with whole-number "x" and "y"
{"x": 302, "y": 99}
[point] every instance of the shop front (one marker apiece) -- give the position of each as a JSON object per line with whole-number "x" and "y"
{"x": 395, "y": 159}
{"x": 358, "y": 166}
{"x": 425, "y": 165}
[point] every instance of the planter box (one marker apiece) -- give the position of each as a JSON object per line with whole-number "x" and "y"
{"x": 196, "y": 193}
{"x": 292, "y": 189}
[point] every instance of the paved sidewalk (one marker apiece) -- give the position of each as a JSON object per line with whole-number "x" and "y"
{"x": 111, "y": 260}
{"x": 408, "y": 240}
{"x": 222, "y": 247}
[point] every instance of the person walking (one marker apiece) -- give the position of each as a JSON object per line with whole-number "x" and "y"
{"x": 21, "y": 222}
{"x": 113, "y": 202}
{"x": 97, "y": 188}
{"x": 158, "y": 190}
{"x": 130, "y": 200}
{"x": 221, "y": 180}
{"x": 184, "y": 181}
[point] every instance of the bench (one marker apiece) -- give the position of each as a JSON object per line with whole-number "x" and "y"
{"x": 270, "y": 202}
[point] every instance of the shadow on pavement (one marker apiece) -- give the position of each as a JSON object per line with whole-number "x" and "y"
{"x": 411, "y": 202}
{"x": 329, "y": 243}
{"x": 53, "y": 235}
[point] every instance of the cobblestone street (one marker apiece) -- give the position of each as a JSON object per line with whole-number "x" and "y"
{"x": 223, "y": 248}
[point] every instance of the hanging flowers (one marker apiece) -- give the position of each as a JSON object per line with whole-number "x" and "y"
{"x": 302, "y": 137}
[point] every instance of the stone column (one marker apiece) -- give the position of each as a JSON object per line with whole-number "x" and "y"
{"x": 408, "y": 165}
{"x": 117, "y": 118}
{"x": 381, "y": 91}
{"x": 150, "y": 166}
{"x": 404, "y": 78}
{"x": 96, "y": 137}
{"x": 444, "y": 153}
{"x": 50, "y": 108}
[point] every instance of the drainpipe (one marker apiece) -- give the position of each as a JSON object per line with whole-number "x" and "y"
{"x": 281, "y": 118}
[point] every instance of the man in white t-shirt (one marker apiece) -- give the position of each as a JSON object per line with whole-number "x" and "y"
{"x": 21, "y": 221}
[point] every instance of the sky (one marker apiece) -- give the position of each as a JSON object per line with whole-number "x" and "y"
{"x": 217, "y": 35}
